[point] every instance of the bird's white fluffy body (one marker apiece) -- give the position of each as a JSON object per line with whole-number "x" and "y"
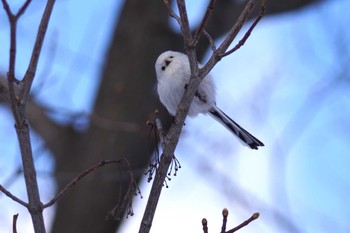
{"x": 173, "y": 74}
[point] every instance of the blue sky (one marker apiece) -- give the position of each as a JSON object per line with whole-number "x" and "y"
{"x": 287, "y": 85}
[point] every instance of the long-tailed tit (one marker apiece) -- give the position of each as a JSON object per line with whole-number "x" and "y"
{"x": 173, "y": 74}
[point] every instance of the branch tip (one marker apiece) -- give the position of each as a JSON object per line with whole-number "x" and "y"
{"x": 225, "y": 212}
{"x": 14, "y": 223}
{"x": 255, "y": 216}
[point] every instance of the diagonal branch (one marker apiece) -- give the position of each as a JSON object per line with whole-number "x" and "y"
{"x": 30, "y": 73}
{"x": 197, "y": 75}
{"x": 13, "y": 197}
{"x": 23, "y": 9}
{"x": 88, "y": 171}
{"x": 245, "y": 223}
{"x": 204, "y": 22}
{"x": 220, "y": 52}
{"x": 247, "y": 34}
{"x": 171, "y": 12}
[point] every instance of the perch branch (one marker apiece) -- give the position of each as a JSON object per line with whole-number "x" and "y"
{"x": 197, "y": 75}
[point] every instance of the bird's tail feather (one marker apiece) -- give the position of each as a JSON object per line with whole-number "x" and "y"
{"x": 235, "y": 128}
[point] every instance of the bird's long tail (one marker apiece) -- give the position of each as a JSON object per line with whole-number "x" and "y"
{"x": 235, "y": 128}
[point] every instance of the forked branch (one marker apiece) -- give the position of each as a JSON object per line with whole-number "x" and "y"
{"x": 224, "y": 223}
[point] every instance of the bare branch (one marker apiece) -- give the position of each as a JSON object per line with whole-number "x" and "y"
{"x": 204, "y": 21}
{"x": 13, "y": 197}
{"x": 224, "y": 220}
{"x": 205, "y": 225}
{"x": 173, "y": 135}
{"x": 4, "y": 91}
{"x": 247, "y": 34}
{"x": 75, "y": 181}
{"x": 237, "y": 26}
{"x": 245, "y": 223}
{"x": 218, "y": 54}
{"x": 160, "y": 129}
{"x": 197, "y": 75}
{"x": 23, "y": 9}
{"x": 14, "y": 223}
{"x": 171, "y": 12}
{"x": 211, "y": 40}
{"x": 7, "y": 9}
{"x": 18, "y": 105}
{"x": 132, "y": 190}
{"x": 185, "y": 25}
{"x": 30, "y": 73}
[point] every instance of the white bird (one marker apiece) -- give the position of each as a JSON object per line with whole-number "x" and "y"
{"x": 173, "y": 74}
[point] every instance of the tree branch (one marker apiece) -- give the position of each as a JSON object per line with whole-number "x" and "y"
{"x": 173, "y": 135}
{"x": 204, "y": 22}
{"x": 18, "y": 105}
{"x": 245, "y": 223}
{"x": 88, "y": 171}
{"x": 14, "y": 223}
{"x": 247, "y": 34}
{"x": 219, "y": 53}
{"x": 13, "y": 197}
{"x": 30, "y": 73}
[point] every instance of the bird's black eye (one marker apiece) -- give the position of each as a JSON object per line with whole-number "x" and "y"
{"x": 171, "y": 56}
{"x": 163, "y": 67}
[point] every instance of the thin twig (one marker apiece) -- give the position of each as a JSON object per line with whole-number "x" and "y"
{"x": 13, "y": 197}
{"x": 171, "y": 12}
{"x": 211, "y": 40}
{"x": 14, "y": 223}
{"x": 205, "y": 225}
{"x": 245, "y": 223}
{"x": 185, "y": 25}
{"x": 160, "y": 129}
{"x": 203, "y": 24}
{"x": 247, "y": 34}
{"x": 7, "y": 9}
{"x": 126, "y": 204}
{"x": 224, "y": 220}
{"x": 23, "y": 9}
{"x": 30, "y": 73}
{"x": 74, "y": 182}
{"x": 237, "y": 26}
{"x": 217, "y": 55}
